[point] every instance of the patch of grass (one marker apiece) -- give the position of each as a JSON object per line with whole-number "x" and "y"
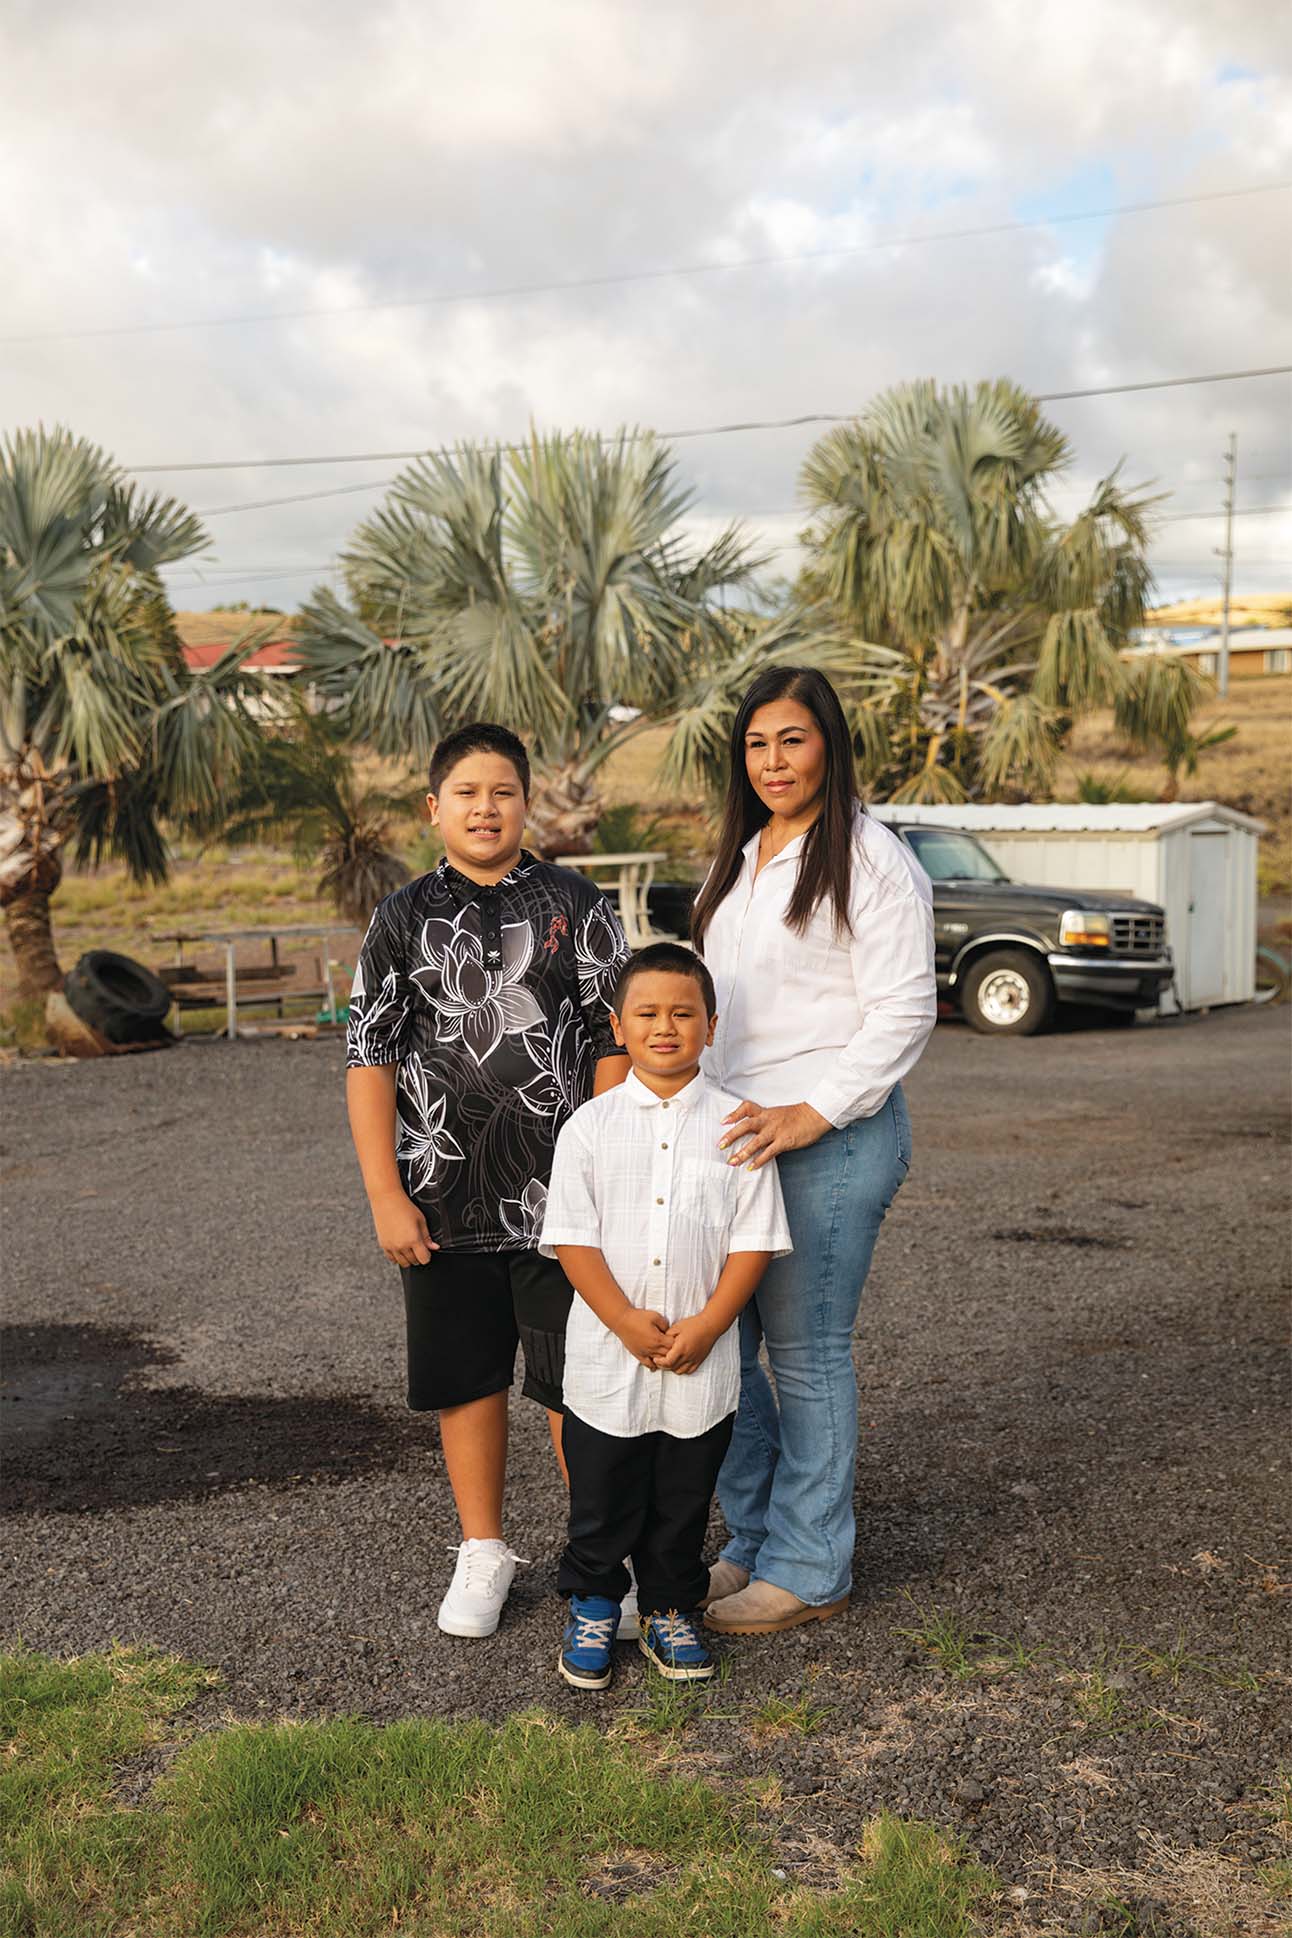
{"x": 1173, "y": 1665}
{"x": 921, "y": 1880}
{"x": 785, "y": 1716}
{"x": 22, "y": 1025}
{"x": 963, "y": 1653}
{"x": 344, "y": 1829}
{"x": 1277, "y": 1879}
{"x": 66, "y": 1852}
{"x": 1096, "y": 1700}
{"x": 668, "y": 1707}
{"x": 1280, "y": 1795}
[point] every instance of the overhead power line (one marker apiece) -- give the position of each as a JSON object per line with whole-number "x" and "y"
{"x": 510, "y": 291}
{"x": 708, "y": 430}
{"x": 1243, "y": 511}
{"x": 219, "y": 576}
{"x": 775, "y": 511}
{"x": 299, "y": 498}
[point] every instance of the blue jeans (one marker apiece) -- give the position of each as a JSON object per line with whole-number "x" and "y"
{"x": 786, "y": 1484}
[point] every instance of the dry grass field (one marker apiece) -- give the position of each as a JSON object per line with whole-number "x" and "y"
{"x": 1253, "y": 771}
{"x": 1254, "y": 609}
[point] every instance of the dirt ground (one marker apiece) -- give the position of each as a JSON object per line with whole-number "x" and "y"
{"x": 1068, "y": 1638}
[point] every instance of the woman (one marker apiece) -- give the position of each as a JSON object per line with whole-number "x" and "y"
{"x": 817, "y": 925}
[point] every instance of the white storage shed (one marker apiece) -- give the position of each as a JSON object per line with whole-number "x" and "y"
{"x": 1196, "y": 859}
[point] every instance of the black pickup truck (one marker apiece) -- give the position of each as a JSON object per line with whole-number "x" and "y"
{"x": 1006, "y": 953}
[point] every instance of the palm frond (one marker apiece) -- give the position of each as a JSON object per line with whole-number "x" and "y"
{"x": 1077, "y": 666}
{"x": 933, "y": 785}
{"x": 384, "y": 692}
{"x": 1019, "y": 745}
{"x": 1157, "y": 700}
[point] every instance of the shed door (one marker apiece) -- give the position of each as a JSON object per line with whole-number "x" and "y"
{"x": 1208, "y": 871}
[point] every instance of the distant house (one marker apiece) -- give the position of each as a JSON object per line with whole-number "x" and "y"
{"x": 1253, "y": 650}
{"x": 205, "y": 636}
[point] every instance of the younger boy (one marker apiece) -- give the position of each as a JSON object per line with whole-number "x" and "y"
{"x": 664, "y": 1243}
{"x": 479, "y": 1019}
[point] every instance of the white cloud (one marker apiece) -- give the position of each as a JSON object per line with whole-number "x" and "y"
{"x": 177, "y": 163}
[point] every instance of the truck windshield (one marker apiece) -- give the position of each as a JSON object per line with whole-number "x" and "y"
{"x": 949, "y": 857}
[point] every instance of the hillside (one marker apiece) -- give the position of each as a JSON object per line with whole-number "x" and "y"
{"x": 231, "y": 628}
{"x": 1258, "y": 609}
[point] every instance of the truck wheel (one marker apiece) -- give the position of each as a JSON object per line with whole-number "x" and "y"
{"x": 1008, "y": 993}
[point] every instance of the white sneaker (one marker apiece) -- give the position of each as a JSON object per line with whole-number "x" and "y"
{"x": 627, "y": 1630}
{"x": 479, "y": 1588}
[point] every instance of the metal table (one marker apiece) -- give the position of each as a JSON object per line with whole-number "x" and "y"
{"x": 632, "y": 876}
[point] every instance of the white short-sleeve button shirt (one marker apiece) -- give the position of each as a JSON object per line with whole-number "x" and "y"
{"x": 641, "y": 1178}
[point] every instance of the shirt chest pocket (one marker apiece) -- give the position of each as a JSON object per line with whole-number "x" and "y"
{"x": 704, "y": 1193}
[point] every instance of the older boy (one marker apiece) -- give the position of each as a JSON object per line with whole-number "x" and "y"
{"x": 479, "y": 1019}
{"x": 664, "y": 1243}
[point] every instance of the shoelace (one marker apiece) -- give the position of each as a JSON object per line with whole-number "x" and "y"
{"x": 676, "y": 1631}
{"x": 593, "y": 1631}
{"x": 483, "y": 1565}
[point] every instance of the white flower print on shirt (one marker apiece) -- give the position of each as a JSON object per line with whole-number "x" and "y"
{"x": 475, "y": 1005}
{"x": 560, "y": 1086}
{"x": 599, "y": 953}
{"x": 522, "y": 1217}
{"x": 421, "y": 1141}
{"x": 375, "y": 1023}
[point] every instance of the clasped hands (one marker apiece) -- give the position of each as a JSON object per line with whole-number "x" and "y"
{"x": 662, "y": 1348}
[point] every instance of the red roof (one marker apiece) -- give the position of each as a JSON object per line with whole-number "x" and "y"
{"x": 275, "y": 654}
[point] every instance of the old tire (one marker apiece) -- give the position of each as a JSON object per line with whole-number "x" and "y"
{"x": 119, "y": 997}
{"x": 1008, "y": 993}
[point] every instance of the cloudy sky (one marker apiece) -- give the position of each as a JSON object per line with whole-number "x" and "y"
{"x": 177, "y": 174}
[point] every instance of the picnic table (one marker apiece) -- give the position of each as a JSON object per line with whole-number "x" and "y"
{"x": 631, "y": 876}
{"x": 272, "y": 981}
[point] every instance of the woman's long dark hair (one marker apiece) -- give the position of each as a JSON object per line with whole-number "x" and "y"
{"x": 825, "y": 864}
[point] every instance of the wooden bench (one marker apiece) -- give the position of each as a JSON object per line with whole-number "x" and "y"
{"x": 272, "y": 983}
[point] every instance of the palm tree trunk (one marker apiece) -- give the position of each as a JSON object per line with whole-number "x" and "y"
{"x": 564, "y": 809}
{"x": 31, "y": 938}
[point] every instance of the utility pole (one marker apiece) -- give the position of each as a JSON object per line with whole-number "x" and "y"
{"x": 1231, "y": 473}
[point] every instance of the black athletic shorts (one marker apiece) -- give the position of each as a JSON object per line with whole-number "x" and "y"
{"x": 466, "y": 1312}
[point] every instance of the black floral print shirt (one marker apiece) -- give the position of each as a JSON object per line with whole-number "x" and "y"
{"x": 494, "y": 1002}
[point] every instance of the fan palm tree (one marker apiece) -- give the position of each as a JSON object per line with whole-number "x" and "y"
{"x": 742, "y": 645}
{"x": 547, "y": 587}
{"x": 304, "y": 786}
{"x": 985, "y": 620}
{"x": 104, "y": 732}
{"x": 1154, "y": 711}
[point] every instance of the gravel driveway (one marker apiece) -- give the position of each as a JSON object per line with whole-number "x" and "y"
{"x": 1073, "y": 1437}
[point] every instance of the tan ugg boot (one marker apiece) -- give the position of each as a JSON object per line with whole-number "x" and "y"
{"x": 725, "y": 1578}
{"x": 764, "y": 1609}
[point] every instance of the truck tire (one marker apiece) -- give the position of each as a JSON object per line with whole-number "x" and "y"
{"x": 119, "y": 997}
{"x": 1008, "y": 993}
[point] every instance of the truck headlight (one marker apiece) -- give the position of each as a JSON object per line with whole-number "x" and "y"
{"x": 1081, "y": 928}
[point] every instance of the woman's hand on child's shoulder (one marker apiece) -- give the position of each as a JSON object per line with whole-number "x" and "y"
{"x": 402, "y": 1230}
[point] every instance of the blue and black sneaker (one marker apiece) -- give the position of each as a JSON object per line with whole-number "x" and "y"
{"x": 588, "y": 1642}
{"x": 674, "y": 1644}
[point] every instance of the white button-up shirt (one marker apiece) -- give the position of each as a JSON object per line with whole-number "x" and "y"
{"x": 641, "y": 1178}
{"x": 822, "y": 1018}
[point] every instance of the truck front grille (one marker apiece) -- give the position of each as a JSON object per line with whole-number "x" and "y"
{"x": 1138, "y": 935}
